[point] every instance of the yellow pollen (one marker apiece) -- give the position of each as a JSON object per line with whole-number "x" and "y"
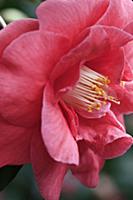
{"x": 91, "y": 92}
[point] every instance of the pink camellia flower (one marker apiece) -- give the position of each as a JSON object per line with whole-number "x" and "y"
{"x": 65, "y": 82}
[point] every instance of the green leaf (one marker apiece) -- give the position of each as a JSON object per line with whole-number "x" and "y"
{"x": 7, "y": 174}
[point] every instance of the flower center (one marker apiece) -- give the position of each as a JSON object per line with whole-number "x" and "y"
{"x": 91, "y": 92}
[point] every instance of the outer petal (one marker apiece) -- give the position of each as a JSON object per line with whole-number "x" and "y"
{"x": 89, "y": 167}
{"x": 35, "y": 54}
{"x": 117, "y": 143}
{"x": 55, "y": 131}
{"x": 106, "y": 136}
{"x": 125, "y": 95}
{"x": 49, "y": 174}
{"x": 119, "y": 13}
{"x": 26, "y": 64}
{"x": 94, "y": 130}
{"x": 14, "y": 144}
{"x": 14, "y": 30}
{"x": 20, "y": 99}
{"x": 70, "y": 17}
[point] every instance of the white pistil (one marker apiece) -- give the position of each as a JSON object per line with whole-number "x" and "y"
{"x": 91, "y": 91}
{"x": 3, "y": 23}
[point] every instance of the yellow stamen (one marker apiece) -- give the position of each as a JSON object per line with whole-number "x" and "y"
{"x": 91, "y": 91}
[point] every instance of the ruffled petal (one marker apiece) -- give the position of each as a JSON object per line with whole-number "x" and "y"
{"x": 71, "y": 17}
{"x": 96, "y": 50}
{"x": 119, "y": 13}
{"x": 14, "y": 30}
{"x": 48, "y": 173}
{"x": 89, "y": 167}
{"x": 14, "y": 144}
{"x": 117, "y": 143}
{"x": 125, "y": 95}
{"x": 55, "y": 131}
{"x": 107, "y": 66}
{"x": 95, "y": 44}
{"x": 93, "y": 130}
{"x": 117, "y": 37}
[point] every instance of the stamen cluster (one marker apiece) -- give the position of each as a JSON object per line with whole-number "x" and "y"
{"x": 91, "y": 92}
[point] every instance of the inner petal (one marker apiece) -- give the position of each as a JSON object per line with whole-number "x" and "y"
{"x": 91, "y": 92}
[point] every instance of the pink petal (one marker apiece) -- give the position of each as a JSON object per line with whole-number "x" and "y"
{"x": 117, "y": 143}
{"x": 70, "y": 17}
{"x": 71, "y": 118}
{"x": 14, "y": 144}
{"x": 107, "y": 66}
{"x": 119, "y": 13}
{"x": 27, "y": 54}
{"x": 14, "y": 30}
{"x": 128, "y": 50}
{"x": 89, "y": 167}
{"x": 23, "y": 73}
{"x": 93, "y": 46}
{"x": 95, "y": 131}
{"x": 20, "y": 99}
{"x": 129, "y": 27}
{"x": 125, "y": 95}
{"x": 49, "y": 174}
{"x": 117, "y": 37}
{"x": 127, "y": 72}
{"x": 55, "y": 131}
{"x": 95, "y": 114}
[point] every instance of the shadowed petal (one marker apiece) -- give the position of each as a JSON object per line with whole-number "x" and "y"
{"x": 14, "y": 144}
{"x": 89, "y": 167}
{"x": 107, "y": 66}
{"x": 49, "y": 174}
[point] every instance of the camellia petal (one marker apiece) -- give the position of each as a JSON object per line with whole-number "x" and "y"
{"x": 71, "y": 16}
{"x": 65, "y": 84}
{"x": 49, "y": 174}
{"x": 55, "y": 131}
{"x": 117, "y": 143}
{"x": 14, "y": 144}
{"x": 89, "y": 176}
{"x": 14, "y": 30}
{"x": 118, "y": 14}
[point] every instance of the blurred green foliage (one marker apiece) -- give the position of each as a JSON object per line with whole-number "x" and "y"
{"x": 118, "y": 171}
{"x": 26, "y": 6}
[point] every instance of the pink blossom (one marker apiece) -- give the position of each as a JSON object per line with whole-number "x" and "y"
{"x": 65, "y": 82}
